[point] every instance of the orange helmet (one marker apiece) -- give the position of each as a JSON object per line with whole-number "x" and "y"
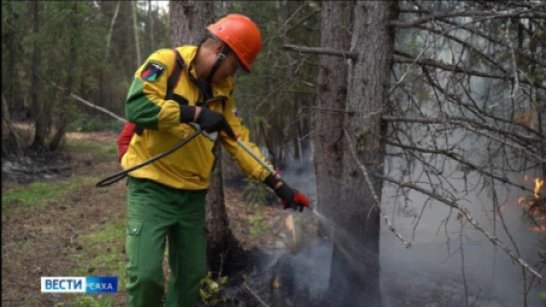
{"x": 241, "y": 34}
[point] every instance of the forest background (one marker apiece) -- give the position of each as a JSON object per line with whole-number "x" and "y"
{"x": 408, "y": 122}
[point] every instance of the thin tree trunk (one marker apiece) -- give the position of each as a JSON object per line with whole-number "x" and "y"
{"x": 70, "y": 64}
{"x": 40, "y": 119}
{"x": 151, "y": 36}
{"x": 10, "y": 78}
{"x": 111, "y": 29}
{"x": 135, "y": 31}
{"x": 13, "y": 143}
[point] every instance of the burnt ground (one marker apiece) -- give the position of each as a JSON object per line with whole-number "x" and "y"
{"x": 56, "y": 223}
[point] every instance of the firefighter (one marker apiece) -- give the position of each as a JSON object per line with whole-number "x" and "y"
{"x": 166, "y": 198}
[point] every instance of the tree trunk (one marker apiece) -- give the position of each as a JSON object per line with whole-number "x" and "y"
{"x": 150, "y": 27}
{"x": 135, "y": 32}
{"x": 110, "y": 30}
{"x": 331, "y": 94}
{"x": 189, "y": 19}
{"x": 188, "y": 23}
{"x": 12, "y": 143}
{"x": 355, "y": 263}
{"x": 41, "y": 128}
{"x": 8, "y": 80}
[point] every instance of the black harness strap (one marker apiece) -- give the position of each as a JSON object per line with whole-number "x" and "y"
{"x": 175, "y": 75}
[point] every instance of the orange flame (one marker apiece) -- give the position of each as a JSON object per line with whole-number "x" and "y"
{"x": 539, "y": 183}
{"x": 535, "y": 207}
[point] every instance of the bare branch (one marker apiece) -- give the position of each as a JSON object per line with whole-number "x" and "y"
{"x": 459, "y": 120}
{"x": 474, "y": 108}
{"x": 318, "y": 50}
{"x": 485, "y": 14}
{"x": 464, "y": 211}
{"x": 492, "y": 39}
{"x": 459, "y": 69}
{"x": 452, "y": 155}
{"x": 475, "y": 50}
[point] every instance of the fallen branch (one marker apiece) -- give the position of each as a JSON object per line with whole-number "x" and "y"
{"x": 92, "y": 105}
{"x": 464, "y": 211}
{"x": 374, "y": 194}
{"x": 254, "y": 294}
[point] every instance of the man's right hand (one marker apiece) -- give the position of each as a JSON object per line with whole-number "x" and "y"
{"x": 208, "y": 120}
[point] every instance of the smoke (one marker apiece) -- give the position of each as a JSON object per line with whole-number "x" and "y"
{"x": 431, "y": 273}
{"x": 443, "y": 258}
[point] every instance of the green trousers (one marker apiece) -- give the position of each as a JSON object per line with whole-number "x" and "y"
{"x": 156, "y": 212}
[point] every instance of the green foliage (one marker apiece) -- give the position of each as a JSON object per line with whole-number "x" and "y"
{"x": 256, "y": 193}
{"x": 212, "y": 291}
{"x": 257, "y": 225}
{"x": 88, "y": 301}
{"x": 71, "y": 48}
{"x": 278, "y": 87}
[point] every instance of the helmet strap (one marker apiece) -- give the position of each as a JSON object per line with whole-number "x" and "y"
{"x": 219, "y": 59}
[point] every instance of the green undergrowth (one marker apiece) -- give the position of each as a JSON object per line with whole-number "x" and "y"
{"x": 37, "y": 194}
{"x": 100, "y": 151}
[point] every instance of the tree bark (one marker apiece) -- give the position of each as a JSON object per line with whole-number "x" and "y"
{"x": 188, "y": 24}
{"x": 150, "y": 26}
{"x": 71, "y": 63}
{"x": 328, "y": 127}
{"x": 189, "y": 19}
{"x": 13, "y": 142}
{"x": 355, "y": 264}
{"x": 41, "y": 128}
{"x": 327, "y": 133}
{"x": 135, "y": 32}
{"x": 110, "y": 30}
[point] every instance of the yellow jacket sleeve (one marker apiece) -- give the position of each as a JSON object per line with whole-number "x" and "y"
{"x": 145, "y": 104}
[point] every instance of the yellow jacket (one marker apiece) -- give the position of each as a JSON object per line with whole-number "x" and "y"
{"x": 190, "y": 166}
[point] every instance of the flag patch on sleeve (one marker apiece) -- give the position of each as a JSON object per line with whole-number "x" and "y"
{"x": 152, "y": 72}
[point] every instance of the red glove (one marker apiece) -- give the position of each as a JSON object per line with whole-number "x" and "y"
{"x": 124, "y": 138}
{"x": 290, "y": 198}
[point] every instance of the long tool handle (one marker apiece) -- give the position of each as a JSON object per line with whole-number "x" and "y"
{"x": 253, "y": 155}
{"x": 120, "y": 175}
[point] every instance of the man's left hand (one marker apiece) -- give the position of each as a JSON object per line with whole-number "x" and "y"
{"x": 292, "y": 198}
